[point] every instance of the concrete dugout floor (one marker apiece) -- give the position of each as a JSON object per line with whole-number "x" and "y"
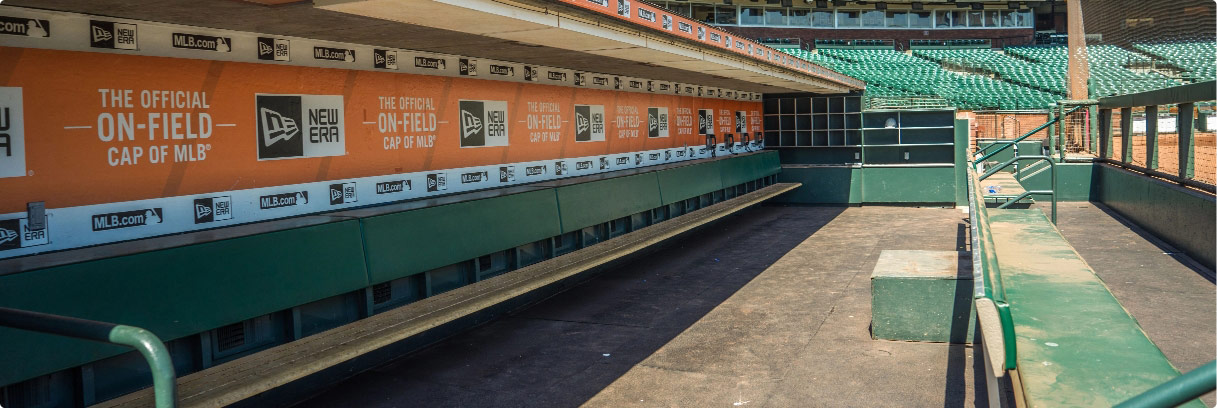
{"x": 769, "y": 308}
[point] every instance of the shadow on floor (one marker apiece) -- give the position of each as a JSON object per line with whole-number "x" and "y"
{"x": 565, "y": 349}
{"x": 1183, "y": 258}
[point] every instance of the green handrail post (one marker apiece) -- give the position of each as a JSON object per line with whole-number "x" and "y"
{"x": 1106, "y": 138}
{"x": 164, "y": 379}
{"x": 1053, "y": 120}
{"x": 1178, "y": 390}
{"x": 1060, "y": 131}
{"x": 1126, "y": 135}
{"x": 1151, "y": 137}
{"x": 1093, "y": 113}
{"x": 1187, "y": 140}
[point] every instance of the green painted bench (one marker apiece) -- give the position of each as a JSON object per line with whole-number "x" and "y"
{"x": 1076, "y": 345}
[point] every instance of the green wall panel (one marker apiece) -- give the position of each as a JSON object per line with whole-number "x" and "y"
{"x": 742, "y": 169}
{"x": 587, "y": 204}
{"x": 412, "y": 242}
{"x": 689, "y": 181}
{"x": 1181, "y": 217}
{"x": 822, "y": 185}
{"x": 961, "y": 162}
{"x": 1073, "y": 181}
{"x": 770, "y": 163}
{"x": 908, "y": 185}
{"x": 180, "y": 291}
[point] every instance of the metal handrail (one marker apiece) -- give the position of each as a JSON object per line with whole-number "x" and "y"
{"x": 989, "y": 285}
{"x": 164, "y": 380}
{"x": 1006, "y": 145}
{"x": 1178, "y": 390}
{"x": 1051, "y": 176}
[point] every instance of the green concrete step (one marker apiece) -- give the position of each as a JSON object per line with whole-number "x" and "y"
{"x": 922, "y": 296}
{"x": 1077, "y": 346}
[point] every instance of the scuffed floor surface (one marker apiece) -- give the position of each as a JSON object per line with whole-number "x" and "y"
{"x": 770, "y": 308}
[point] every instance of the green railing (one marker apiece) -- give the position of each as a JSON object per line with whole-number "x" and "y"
{"x": 1051, "y": 175}
{"x": 164, "y": 380}
{"x": 988, "y": 291}
{"x": 1005, "y": 144}
{"x": 1177, "y": 391}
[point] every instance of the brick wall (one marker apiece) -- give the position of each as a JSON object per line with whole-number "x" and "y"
{"x": 1000, "y": 36}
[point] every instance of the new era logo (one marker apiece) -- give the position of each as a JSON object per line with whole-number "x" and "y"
{"x": 276, "y": 127}
{"x": 212, "y": 209}
{"x": 16, "y": 233}
{"x": 657, "y": 122}
{"x": 299, "y": 126}
{"x": 468, "y": 67}
{"x": 108, "y": 34}
{"x": 589, "y": 123}
{"x": 384, "y": 59}
{"x": 273, "y": 49}
{"x": 705, "y": 122}
{"x": 483, "y": 123}
{"x": 437, "y": 182}
{"x": 342, "y": 193}
{"x": 471, "y": 124}
{"x": 101, "y": 34}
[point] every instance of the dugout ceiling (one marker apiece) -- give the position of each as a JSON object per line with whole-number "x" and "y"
{"x": 566, "y": 34}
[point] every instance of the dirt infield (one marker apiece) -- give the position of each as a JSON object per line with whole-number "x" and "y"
{"x": 1012, "y": 125}
{"x": 1168, "y": 154}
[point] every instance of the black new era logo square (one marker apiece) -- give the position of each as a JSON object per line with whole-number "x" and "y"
{"x": 583, "y": 128}
{"x": 291, "y": 126}
{"x": 279, "y": 127}
{"x": 473, "y": 131}
{"x": 483, "y": 123}
{"x": 108, "y": 34}
{"x": 10, "y": 233}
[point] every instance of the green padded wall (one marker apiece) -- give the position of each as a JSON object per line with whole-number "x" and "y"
{"x": 822, "y": 185}
{"x": 738, "y": 170}
{"x": 1181, "y": 217}
{"x": 685, "y": 182}
{"x": 908, "y": 185}
{"x": 962, "y": 161}
{"x": 1073, "y": 181}
{"x": 412, "y": 242}
{"x": 588, "y": 204}
{"x": 180, "y": 291}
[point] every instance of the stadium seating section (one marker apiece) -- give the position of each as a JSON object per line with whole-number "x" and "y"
{"x": 1028, "y": 77}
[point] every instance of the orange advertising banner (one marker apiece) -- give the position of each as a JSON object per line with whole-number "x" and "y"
{"x": 145, "y": 127}
{"x": 111, "y": 142}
